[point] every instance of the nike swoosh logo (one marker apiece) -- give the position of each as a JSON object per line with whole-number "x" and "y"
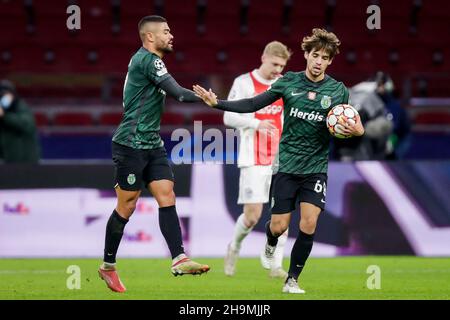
{"x": 323, "y": 201}
{"x": 109, "y": 254}
{"x": 297, "y": 93}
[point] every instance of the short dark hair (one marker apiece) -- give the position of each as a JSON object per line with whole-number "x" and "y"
{"x": 147, "y": 19}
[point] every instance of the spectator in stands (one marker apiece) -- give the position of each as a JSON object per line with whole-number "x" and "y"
{"x": 18, "y": 134}
{"x": 377, "y": 120}
{"x": 399, "y": 140}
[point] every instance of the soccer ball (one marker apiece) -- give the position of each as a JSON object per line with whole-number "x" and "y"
{"x": 341, "y": 111}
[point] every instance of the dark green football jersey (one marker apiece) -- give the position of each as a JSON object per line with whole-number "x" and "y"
{"x": 143, "y": 102}
{"x": 304, "y": 144}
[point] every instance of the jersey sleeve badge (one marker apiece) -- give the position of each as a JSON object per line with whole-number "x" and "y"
{"x": 160, "y": 67}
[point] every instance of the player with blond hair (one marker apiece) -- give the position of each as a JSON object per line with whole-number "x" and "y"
{"x": 260, "y": 134}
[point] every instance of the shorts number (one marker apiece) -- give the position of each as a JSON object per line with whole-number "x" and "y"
{"x": 321, "y": 187}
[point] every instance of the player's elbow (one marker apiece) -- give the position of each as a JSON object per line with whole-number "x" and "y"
{"x": 227, "y": 119}
{"x": 232, "y": 119}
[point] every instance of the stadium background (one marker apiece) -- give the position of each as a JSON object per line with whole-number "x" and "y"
{"x": 73, "y": 81}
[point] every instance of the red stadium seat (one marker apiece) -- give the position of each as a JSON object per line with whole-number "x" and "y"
{"x": 223, "y": 8}
{"x": 53, "y": 28}
{"x": 171, "y": 118}
{"x": 302, "y": 25}
{"x": 137, "y": 8}
{"x": 436, "y": 117}
{"x": 92, "y": 27}
{"x": 268, "y": 8}
{"x": 41, "y": 119}
{"x": 184, "y": 30}
{"x": 12, "y": 7}
{"x": 200, "y": 59}
{"x": 394, "y": 31}
{"x": 128, "y": 31}
{"x": 265, "y": 29}
{"x": 16, "y": 23}
{"x": 49, "y": 9}
{"x": 434, "y": 9}
{"x": 437, "y": 88}
{"x": 215, "y": 26}
{"x": 113, "y": 56}
{"x": 176, "y": 8}
{"x": 102, "y": 7}
{"x": 209, "y": 118}
{"x": 110, "y": 118}
{"x": 73, "y": 119}
{"x": 244, "y": 56}
{"x": 350, "y": 10}
{"x": 351, "y": 30}
{"x": 221, "y": 51}
{"x": 399, "y": 8}
{"x": 304, "y": 8}
{"x": 431, "y": 31}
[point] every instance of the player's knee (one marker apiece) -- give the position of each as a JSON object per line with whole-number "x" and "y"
{"x": 166, "y": 198}
{"x": 127, "y": 208}
{"x": 308, "y": 224}
{"x": 131, "y": 206}
{"x": 252, "y": 216}
{"x": 278, "y": 227}
{"x": 252, "y": 220}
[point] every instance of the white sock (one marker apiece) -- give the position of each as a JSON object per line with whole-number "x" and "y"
{"x": 108, "y": 266}
{"x": 240, "y": 232}
{"x": 279, "y": 251}
{"x": 178, "y": 258}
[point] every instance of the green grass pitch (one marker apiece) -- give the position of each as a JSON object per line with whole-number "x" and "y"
{"x": 322, "y": 278}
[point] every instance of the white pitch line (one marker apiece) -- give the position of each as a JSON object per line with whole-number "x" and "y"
{"x": 31, "y": 271}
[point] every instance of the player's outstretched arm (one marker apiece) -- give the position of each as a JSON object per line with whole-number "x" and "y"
{"x": 208, "y": 97}
{"x": 239, "y": 106}
{"x": 173, "y": 89}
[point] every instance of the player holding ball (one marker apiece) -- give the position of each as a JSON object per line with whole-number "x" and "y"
{"x": 301, "y": 178}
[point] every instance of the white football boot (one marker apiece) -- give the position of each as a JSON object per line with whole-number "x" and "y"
{"x": 291, "y": 286}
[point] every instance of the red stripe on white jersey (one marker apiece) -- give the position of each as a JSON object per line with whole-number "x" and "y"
{"x": 266, "y": 147}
